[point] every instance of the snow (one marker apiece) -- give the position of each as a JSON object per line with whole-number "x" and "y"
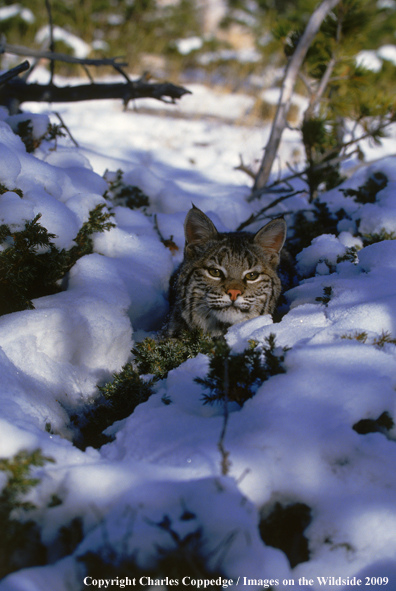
{"x": 293, "y": 442}
{"x": 373, "y": 59}
{"x": 186, "y": 46}
{"x": 81, "y": 48}
{"x": 13, "y": 10}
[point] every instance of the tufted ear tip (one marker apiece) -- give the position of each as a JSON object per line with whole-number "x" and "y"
{"x": 198, "y": 227}
{"x": 272, "y": 236}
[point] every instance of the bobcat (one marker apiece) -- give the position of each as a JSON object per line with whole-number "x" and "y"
{"x": 225, "y": 278}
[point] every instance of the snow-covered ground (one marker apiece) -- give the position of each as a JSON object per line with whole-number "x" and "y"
{"x": 293, "y": 442}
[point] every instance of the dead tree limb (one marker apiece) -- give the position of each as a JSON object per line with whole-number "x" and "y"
{"x": 289, "y": 80}
{"x": 7, "y": 76}
{"x": 20, "y": 91}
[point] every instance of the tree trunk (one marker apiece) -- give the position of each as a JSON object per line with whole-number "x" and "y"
{"x": 287, "y": 88}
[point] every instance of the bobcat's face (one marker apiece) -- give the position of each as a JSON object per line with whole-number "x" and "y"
{"x": 232, "y": 288}
{"x": 225, "y": 278}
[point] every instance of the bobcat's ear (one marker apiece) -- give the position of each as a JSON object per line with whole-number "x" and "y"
{"x": 198, "y": 227}
{"x": 272, "y": 236}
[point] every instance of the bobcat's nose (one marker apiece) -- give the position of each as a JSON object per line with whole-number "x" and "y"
{"x": 234, "y": 293}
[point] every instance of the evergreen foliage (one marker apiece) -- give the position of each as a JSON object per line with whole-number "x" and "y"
{"x": 378, "y": 237}
{"x": 127, "y": 389}
{"x": 118, "y": 400}
{"x": 321, "y": 142}
{"x": 69, "y": 537}
{"x": 385, "y": 338}
{"x": 120, "y": 193}
{"x": 383, "y": 424}
{"x": 25, "y": 132}
{"x": 284, "y": 528}
{"x": 326, "y": 297}
{"x": 368, "y": 191}
{"x": 350, "y": 255}
{"x": 20, "y": 544}
{"x": 159, "y": 357}
{"x": 120, "y": 27}
{"x": 347, "y": 102}
{"x": 4, "y": 189}
{"x": 31, "y": 265}
{"x": 237, "y": 377}
{"x": 361, "y": 337}
{"x": 187, "y": 556}
{"x": 310, "y": 225}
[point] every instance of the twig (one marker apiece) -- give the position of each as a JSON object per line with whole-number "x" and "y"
{"x": 246, "y": 169}
{"x": 7, "y": 76}
{"x": 225, "y": 462}
{"x": 167, "y": 242}
{"x": 52, "y": 42}
{"x": 306, "y": 83}
{"x": 257, "y": 216}
{"x": 66, "y": 129}
{"x": 88, "y": 73}
{"x": 61, "y": 57}
{"x": 317, "y": 97}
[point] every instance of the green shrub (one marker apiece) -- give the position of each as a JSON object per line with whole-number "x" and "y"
{"x": 367, "y": 193}
{"x": 350, "y": 255}
{"x": 307, "y": 226}
{"x": 326, "y": 297}
{"x": 25, "y": 132}
{"x": 284, "y": 528}
{"x": 236, "y": 377}
{"x": 119, "y": 398}
{"x": 187, "y": 556}
{"x": 384, "y": 338}
{"x": 378, "y": 237}
{"x": 383, "y": 424}
{"x": 122, "y": 194}
{"x": 159, "y": 357}
{"x": 4, "y": 189}
{"x": 20, "y": 543}
{"x": 31, "y": 265}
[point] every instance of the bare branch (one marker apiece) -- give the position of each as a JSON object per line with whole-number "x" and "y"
{"x": 7, "y": 76}
{"x": 306, "y": 83}
{"x": 244, "y": 168}
{"x": 61, "y": 57}
{"x": 255, "y": 217}
{"x": 21, "y": 91}
{"x": 322, "y": 86}
{"x": 52, "y": 42}
{"x": 66, "y": 129}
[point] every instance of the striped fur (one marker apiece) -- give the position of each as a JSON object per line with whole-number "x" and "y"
{"x": 225, "y": 278}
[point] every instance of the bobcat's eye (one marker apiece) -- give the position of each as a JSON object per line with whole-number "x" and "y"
{"x": 251, "y": 276}
{"x": 214, "y": 272}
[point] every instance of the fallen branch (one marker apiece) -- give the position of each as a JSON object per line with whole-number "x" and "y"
{"x": 7, "y": 76}
{"x": 21, "y": 91}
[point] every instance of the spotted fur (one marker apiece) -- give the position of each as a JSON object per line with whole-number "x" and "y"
{"x": 225, "y": 278}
